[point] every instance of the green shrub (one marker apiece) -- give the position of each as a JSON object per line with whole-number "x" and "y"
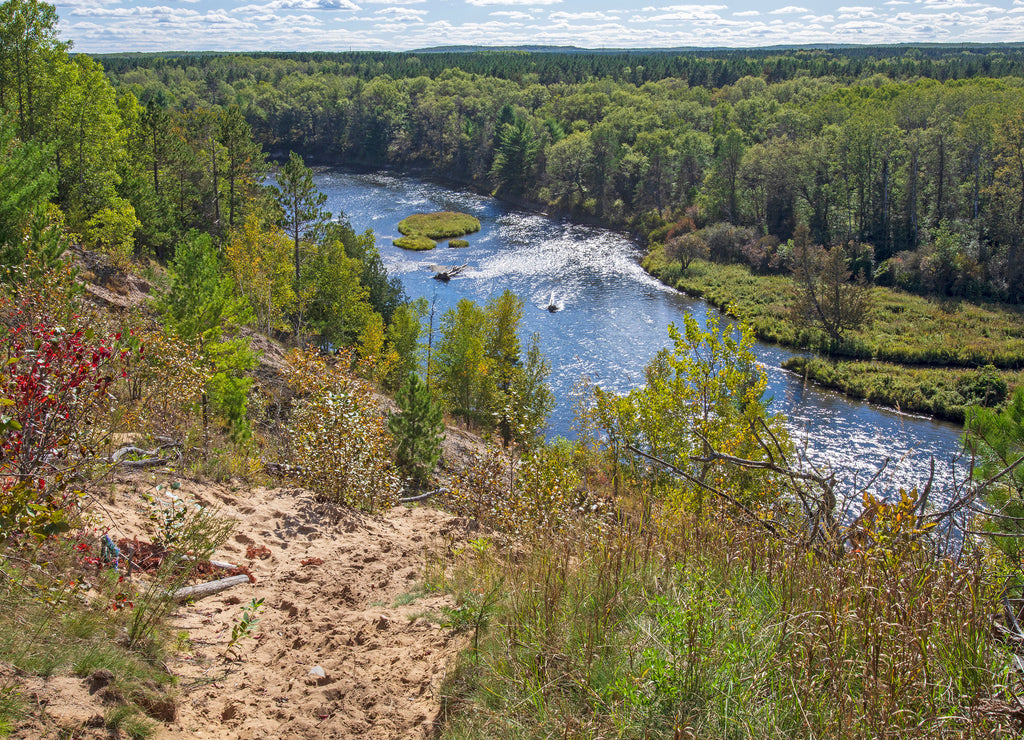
{"x": 417, "y": 430}
{"x": 339, "y": 444}
{"x": 112, "y": 230}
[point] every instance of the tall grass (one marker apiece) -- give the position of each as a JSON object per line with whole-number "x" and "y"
{"x": 900, "y": 327}
{"x": 945, "y": 393}
{"x": 50, "y": 625}
{"x": 696, "y": 627}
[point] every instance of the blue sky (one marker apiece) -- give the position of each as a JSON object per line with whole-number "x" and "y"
{"x": 340, "y": 25}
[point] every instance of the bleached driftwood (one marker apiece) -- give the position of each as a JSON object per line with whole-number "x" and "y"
{"x": 202, "y": 590}
{"x": 422, "y": 496}
{"x": 149, "y": 457}
{"x": 222, "y": 564}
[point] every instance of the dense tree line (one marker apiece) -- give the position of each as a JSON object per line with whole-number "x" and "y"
{"x": 704, "y": 68}
{"x": 923, "y": 172}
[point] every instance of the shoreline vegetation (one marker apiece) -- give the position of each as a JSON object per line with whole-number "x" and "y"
{"x": 913, "y": 353}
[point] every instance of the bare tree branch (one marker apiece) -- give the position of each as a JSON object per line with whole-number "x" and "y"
{"x": 771, "y": 527}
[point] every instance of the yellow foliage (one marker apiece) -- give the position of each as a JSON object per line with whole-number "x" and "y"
{"x": 260, "y": 263}
{"x": 378, "y": 360}
{"x": 541, "y": 491}
{"x": 339, "y": 444}
{"x": 165, "y": 382}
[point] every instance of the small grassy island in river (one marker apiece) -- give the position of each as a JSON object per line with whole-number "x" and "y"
{"x": 421, "y": 229}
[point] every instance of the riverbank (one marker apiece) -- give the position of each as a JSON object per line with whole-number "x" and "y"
{"x": 913, "y": 354}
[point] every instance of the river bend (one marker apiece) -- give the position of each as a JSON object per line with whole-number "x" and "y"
{"x": 613, "y": 317}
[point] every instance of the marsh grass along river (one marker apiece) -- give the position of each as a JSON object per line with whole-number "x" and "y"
{"x": 613, "y": 317}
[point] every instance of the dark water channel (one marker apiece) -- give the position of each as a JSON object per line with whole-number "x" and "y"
{"x": 613, "y": 317}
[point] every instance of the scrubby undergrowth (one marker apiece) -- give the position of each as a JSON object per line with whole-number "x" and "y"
{"x": 694, "y": 626}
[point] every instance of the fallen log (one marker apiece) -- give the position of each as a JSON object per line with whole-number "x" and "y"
{"x": 444, "y": 273}
{"x": 422, "y": 496}
{"x": 149, "y": 457}
{"x": 202, "y": 590}
{"x": 149, "y": 462}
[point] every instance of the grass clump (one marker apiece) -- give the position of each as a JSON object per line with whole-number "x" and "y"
{"x": 945, "y": 393}
{"x": 12, "y": 708}
{"x": 697, "y": 628}
{"x": 439, "y": 225}
{"x": 415, "y": 243}
{"x": 131, "y": 722}
{"x": 457, "y": 244}
{"x": 49, "y": 625}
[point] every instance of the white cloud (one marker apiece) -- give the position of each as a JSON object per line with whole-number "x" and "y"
{"x": 78, "y": 4}
{"x": 483, "y": 3}
{"x": 118, "y": 25}
{"x": 300, "y": 5}
{"x": 687, "y": 13}
{"x": 684, "y": 8}
{"x": 856, "y": 12}
{"x": 561, "y": 15}
{"x": 402, "y": 14}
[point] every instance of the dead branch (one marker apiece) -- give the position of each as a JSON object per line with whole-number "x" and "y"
{"x": 202, "y": 590}
{"x": 769, "y": 526}
{"x": 422, "y": 496}
{"x": 968, "y": 498}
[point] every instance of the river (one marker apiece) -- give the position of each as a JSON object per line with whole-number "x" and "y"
{"x": 613, "y": 318}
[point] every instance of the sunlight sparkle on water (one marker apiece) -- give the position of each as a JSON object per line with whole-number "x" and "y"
{"x": 613, "y": 317}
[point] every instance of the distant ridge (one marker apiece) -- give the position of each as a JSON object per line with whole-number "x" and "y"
{"x": 540, "y": 49}
{"x": 731, "y": 51}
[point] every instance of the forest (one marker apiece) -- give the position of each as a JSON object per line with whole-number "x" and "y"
{"x": 914, "y": 155}
{"x": 904, "y": 163}
{"x": 173, "y": 315}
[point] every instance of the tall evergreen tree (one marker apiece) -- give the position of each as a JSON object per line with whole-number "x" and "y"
{"x": 196, "y": 308}
{"x": 301, "y": 202}
{"x": 417, "y": 431}
{"x": 25, "y": 185}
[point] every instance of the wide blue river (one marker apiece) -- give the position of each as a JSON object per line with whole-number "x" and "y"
{"x": 613, "y": 318}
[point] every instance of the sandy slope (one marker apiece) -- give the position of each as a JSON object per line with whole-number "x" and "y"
{"x": 383, "y": 665}
{"x": 384, "y": 660}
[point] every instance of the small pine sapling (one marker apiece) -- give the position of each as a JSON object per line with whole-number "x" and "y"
{"x": 417, "y": 431}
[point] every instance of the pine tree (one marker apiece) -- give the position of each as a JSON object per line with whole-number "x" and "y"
{"x": 196, "y": 308}
{"x": 417, "y": 431}
{"x": 301, "y": 203}
{"x": 26, "y": 184}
